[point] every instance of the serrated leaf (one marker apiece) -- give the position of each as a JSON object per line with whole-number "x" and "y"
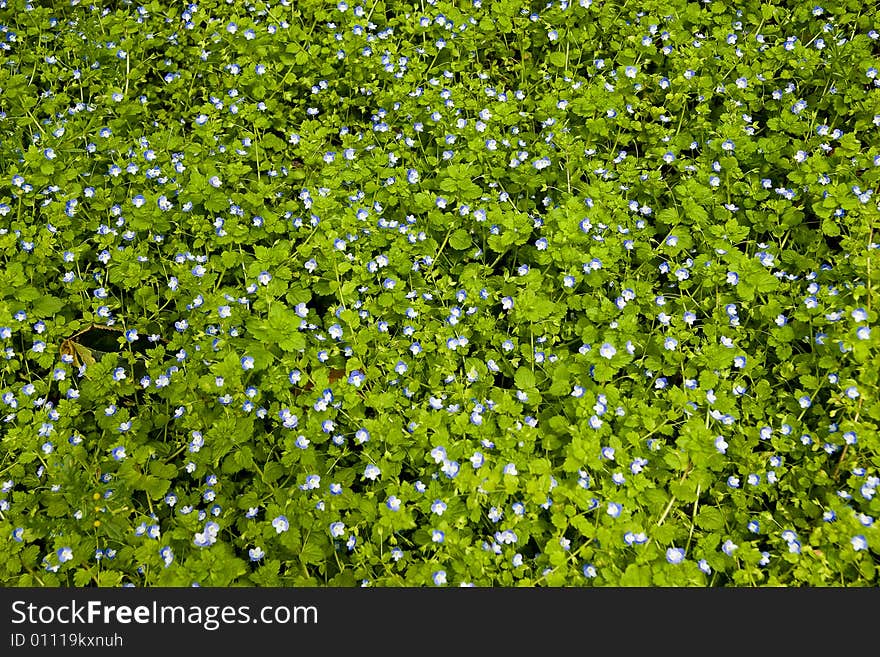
{"x": 460, "y": 240}
{"x": 524, "y": 378}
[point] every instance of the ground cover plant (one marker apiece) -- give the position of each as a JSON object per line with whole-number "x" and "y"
{"x": 439, "y": 293}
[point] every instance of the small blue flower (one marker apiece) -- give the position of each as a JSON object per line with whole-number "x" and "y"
{"x": 859, "y": 315}
{"x": 280, "y": 524}
{"x": 167, "y": 555}
{"x": 675, "y": 555}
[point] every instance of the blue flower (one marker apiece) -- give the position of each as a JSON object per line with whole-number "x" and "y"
{"x": 65, "y": 554}
{"x": 337, "y": 529}
{"x": 256, "y": 553}
{"x": 280, "y": 524}
{"x": 675, "y": 555}
{"x": 118, "y": 453}
{"x": 729, "y": 547}
{"x": 859, "y": 543}
{"x": 439, "y": 578}
{"x": 393, "y": 503}
{"x": 450, "y": 468}
{"x": 247, "y": 363}
{"x": 167, "y": 555}
{"x": 371, "y": 472}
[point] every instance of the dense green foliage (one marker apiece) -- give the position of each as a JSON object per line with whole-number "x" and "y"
{"x": 425, "y": 293}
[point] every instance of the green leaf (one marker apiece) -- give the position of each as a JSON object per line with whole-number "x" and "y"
{"x": 524, "y": 378}
{"x": 635, "y": 575}
{"x": 460, "y": 240}
{"x": 710, "y": 518}
{"x": 557, "y": 59}
{"x": 312, "y": 553}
